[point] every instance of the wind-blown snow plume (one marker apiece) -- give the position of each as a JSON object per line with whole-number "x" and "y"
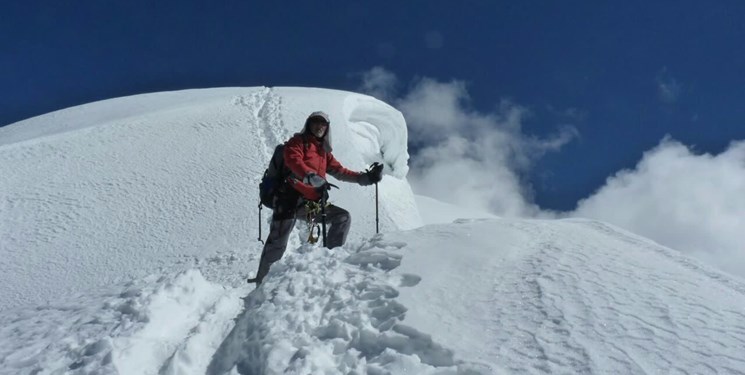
{"x": 461, "y": 156}
{"x": 693, "y": 203}
{"x": 379, "y": 83}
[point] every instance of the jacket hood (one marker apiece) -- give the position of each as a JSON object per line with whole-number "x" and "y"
{"x": 327, "y": 136}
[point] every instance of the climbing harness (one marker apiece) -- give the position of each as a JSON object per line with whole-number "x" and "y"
{"x": 313, "y": 209}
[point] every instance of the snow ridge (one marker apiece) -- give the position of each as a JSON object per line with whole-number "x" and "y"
{"x": 570, "y": 296}
{"x": 727, "y": 280}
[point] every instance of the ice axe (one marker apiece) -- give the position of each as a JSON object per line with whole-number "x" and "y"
{"x": 324, "y": 197}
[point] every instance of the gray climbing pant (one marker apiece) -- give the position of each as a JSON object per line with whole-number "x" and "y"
{"x": 338, "y": 222}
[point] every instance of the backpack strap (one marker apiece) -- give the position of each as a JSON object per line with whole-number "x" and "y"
{"x": 306, "y": 143}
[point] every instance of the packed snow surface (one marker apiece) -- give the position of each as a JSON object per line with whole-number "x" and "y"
{"x": 473, "y": 297}
{"x": 127, "y": 228}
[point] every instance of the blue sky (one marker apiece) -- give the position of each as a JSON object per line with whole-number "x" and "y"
{"x": 623, "y": 74}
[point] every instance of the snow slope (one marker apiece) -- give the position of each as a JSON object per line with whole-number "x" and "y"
{"x": 436, "y": 212}
{"x": 569, "y": 296}
{"x": 127, "y": 227}
{"x": 486, "y": 296}
{"x": 108, "y": 191}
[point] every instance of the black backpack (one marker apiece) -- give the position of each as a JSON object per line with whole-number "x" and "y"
{"x": 274, "y": 177}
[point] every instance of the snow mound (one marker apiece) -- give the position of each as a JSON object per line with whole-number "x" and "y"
{"x": 113, "y": 190}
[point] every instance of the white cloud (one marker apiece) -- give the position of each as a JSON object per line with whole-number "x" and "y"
{"x": 470, "y": 158}
{"x": 690, "y": 202}
{"x": 379, "y": 83}
{"x": 434, "y": 110}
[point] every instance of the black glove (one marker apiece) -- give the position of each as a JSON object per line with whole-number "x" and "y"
{"x": 372, "y": 175}
{"x": 323, "y": 191}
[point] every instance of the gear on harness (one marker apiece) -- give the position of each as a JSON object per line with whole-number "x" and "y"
{"x": 313, "y": 209}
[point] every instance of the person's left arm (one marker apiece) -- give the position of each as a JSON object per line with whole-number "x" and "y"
{"x": 334, "y": 168}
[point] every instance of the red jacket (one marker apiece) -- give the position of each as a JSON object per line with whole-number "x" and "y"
{"x": 304, "y": 154}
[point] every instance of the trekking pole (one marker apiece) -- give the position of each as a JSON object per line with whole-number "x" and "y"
{"x": 377, "y": 218}
{"x": 260, "y": 240}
